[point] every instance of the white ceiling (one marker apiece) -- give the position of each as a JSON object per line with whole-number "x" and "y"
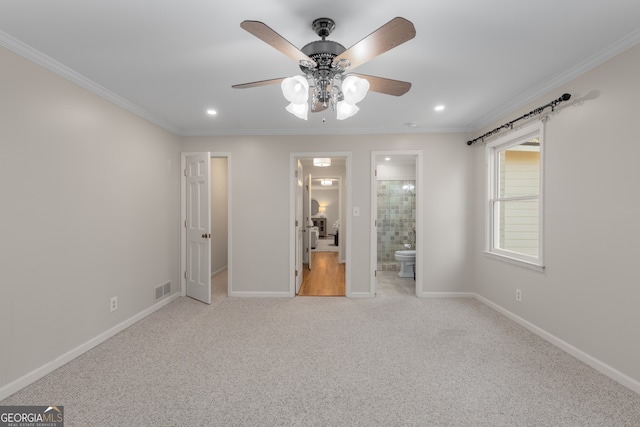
{"x": 170, "y": 61}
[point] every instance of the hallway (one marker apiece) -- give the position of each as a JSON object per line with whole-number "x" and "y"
{"x": 326, "y": 278}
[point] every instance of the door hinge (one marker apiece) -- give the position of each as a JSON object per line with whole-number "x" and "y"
{"x": 296, "y": 273}
{"x": 185, "y": 223}
{"x": 296, "y": 173}
{"x": 185, "y": 274}
{"x": 185, "y": 171}
{"x": 375, "y": 222}
{"x": 375, "y": 172}
{"x": 296, "y": 222}
{"x": 375, "y": 273}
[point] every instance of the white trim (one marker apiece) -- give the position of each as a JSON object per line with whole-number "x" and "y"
{"x": 447, "y": 295}
{"x": 505, "y": 142}
{"x": 514, "y": 261}
{"x": 183, "y": 217}
{"x": 360, "y": 295}
{"x": 293, "y": 166}
{"x": 215, "y": 273}
{"x": 63, "y": 71}
{"x": 619, "y": 46}
{"x": 598, "y": 365}
{"x": 252, "y": 294}
{"x": 373, "y": 251}
{"x": 50, "y": 64}
{"x": 67, "y": 357}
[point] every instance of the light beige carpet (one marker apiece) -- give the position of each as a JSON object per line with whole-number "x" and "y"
{"x": 388, "y": 361}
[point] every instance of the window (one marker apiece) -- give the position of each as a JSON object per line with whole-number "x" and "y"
{"x": 515, "y": 199}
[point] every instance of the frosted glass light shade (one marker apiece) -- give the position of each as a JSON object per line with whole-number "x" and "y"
{"x": 298, "y": 110}
{"x": 322, "y": 161}
{"x": 345, "y": 110}
{"x": 354, "y": 89}
{"x": 295, "y": 89}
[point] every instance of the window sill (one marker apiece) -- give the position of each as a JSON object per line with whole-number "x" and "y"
{"x": 515, "y": 261}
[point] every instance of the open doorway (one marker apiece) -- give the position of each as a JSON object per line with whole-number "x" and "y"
{"x": 395, "y": 207}
{"x": 320, "y": 239}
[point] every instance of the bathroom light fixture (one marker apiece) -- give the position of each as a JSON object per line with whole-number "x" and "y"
{"x": 322, "y": 162}
{"x": 326, "y": 182}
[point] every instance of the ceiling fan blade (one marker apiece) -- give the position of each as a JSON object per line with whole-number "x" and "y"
{"x": 386, "y": 86}
{"x": 259, "y": 83}
{"x": 390, "y": 35}
{"x": 267, "y": 35}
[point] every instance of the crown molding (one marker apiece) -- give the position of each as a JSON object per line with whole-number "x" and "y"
{"x": 626, "y": 42}
{"x": 526, "y": 97}
{"x": 56, "y": 67}
{"x": 317, "y": 131}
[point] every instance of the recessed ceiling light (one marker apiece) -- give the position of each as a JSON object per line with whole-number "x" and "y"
{"x": 439, "y": 108}
{"x": 212, "y": 112}
{"x": 387, "y": 158}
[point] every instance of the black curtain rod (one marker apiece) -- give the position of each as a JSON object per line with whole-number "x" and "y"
{"x": 535, "y": 112}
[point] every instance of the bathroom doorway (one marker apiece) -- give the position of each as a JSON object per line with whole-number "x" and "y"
{"x": 320, "y": 238}
{"x": 395, "y": 207}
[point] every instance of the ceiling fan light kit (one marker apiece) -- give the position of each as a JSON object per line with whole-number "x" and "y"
{"x": 324, "y": 64}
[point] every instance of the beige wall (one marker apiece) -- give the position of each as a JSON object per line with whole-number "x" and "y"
{"x": 588, "y": 295}
{"x": 90, "y": 210}
{"x": 260, "y": 186}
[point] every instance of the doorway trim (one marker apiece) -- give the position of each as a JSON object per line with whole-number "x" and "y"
{"x": 293, "y": 166}
{"x": 374, "y": 217}
{"x": 183, "y": 218}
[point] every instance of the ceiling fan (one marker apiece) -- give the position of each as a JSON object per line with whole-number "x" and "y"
{"x": 325, "y": 65}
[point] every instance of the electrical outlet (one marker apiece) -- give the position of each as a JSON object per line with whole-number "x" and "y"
{"x": 114, "y": 304}
{"x": 518, "y": 295}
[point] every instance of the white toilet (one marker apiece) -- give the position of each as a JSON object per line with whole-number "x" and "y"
{"x": 407, "y": 260}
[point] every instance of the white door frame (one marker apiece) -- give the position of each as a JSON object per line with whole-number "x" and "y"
{"x": 374, "y": 215}
{"x": 183, "y": 218}
{"x": 345, "y": 217}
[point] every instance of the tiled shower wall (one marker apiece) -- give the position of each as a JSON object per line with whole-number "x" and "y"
{"x": 396, "y": 220}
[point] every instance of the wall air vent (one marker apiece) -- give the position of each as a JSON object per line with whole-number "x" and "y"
{"x": 162, "y": 290}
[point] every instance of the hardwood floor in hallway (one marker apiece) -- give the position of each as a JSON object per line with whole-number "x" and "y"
{"x": 326, "y": 278}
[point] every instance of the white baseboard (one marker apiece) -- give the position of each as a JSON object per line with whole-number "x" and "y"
{"x": 359, "y": 295}
{"x": 49, "y": 367}
{"x": 215, "y": 273}
{"x": 251, "y": 294}
{"x": 596, "y": 364}
{"x": 447, "y": 295}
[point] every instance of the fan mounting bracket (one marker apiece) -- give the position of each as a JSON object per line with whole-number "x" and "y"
{"x": 323, "y": 27}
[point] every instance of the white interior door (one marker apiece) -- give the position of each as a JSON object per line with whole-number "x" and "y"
{"x": 199, "y": 227}
{"x": 300, "y": 226}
